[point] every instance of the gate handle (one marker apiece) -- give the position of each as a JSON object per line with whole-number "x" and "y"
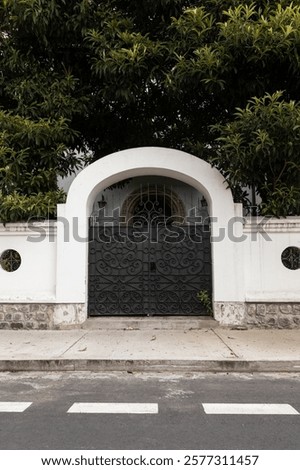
{"x": 152, "y": 266}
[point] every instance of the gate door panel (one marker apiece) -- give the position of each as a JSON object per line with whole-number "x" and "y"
{"x": 136, "y": 273}
{"x": 116, "y": 273}
{"x": 183, "y": 268}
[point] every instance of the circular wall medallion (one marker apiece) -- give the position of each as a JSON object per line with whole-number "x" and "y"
{"x": 290, "y": 257}
{"x": 10, "y": 260}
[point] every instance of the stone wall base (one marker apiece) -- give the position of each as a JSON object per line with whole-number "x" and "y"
{"x": 258, "y": 314}
{"x": 230, "y": 313}
{"x": 273, "y": 315}
{"x": 41, "y": 316}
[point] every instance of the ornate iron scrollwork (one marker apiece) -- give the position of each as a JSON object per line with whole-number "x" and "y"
{"x": 152, "y": 271}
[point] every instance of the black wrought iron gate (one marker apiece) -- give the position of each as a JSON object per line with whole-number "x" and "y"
{"x": 132, "y": 272}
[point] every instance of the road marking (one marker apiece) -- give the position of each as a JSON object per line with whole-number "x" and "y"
{"x": 249, "y": 409}
{"x": 14, "y": 406}
{"x": 128, "y": 408}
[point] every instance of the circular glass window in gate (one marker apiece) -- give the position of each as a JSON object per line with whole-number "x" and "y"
{"x": 10, "y": 260}
{"x": 290, "y": 257}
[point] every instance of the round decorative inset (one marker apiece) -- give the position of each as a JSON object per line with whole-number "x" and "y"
{"x": 10, "y": 260}
{"x": 290, "y": 257}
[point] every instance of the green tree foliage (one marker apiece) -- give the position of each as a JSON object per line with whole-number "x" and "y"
{"x": 261, "y": 146}
{"x": 89, "y": 77}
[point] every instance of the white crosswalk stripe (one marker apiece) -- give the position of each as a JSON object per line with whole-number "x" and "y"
{"x": 14, "y": 406}
{"x": 249, "y": 408}
{"x": 152, "y": 408}
{"x": 127, "y": 408}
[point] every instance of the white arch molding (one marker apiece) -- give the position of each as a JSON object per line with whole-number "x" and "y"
{"x": 72, "y": 254}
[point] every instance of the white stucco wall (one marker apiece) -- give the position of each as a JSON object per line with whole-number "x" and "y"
{"x": 266, "y": 278}
{"x": 35, "y": 280}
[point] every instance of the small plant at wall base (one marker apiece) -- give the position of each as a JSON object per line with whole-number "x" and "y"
{"x": 205, "y": 298}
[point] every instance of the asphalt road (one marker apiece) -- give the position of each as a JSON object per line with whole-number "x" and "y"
{"x": 180, "y": 423}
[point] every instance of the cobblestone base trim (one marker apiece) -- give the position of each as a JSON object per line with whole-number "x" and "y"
{"x": 61, "y": 316}
{"x": 258, "y": 314}
{"x": 41, "y": 316}
{"x": 273, "y": 315}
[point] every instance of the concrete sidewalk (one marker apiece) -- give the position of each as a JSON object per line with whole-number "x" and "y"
{"x": 207, "y": 349}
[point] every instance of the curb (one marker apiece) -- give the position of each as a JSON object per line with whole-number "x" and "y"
{"x": 108, "y": 365}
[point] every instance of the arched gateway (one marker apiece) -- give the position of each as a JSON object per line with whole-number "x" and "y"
{"x": 74, "y": 217}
